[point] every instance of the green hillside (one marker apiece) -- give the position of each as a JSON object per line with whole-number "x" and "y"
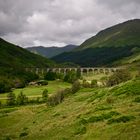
{"x": 15, "y": 56}
{"x": 92, "y": 113}
{"x": 13, "y": 61}
{"x": 107, "y": 47}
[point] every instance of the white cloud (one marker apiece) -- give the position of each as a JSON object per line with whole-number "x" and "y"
{"x": 60, "y": 22}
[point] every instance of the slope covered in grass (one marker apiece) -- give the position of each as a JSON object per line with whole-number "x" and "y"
{"x": 91, "y": 113}
{"x": 108, "y": 46}
{"x": 15, "y": 56}
{"x": 13, "y": 61}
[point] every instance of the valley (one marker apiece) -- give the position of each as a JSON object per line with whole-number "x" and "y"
{"x": 85, "y": 92}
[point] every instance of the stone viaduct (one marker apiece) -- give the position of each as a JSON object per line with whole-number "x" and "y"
{"x": 82, "y": 70}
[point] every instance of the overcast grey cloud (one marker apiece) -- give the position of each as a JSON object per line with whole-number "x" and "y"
{"x": 61, "y": 22}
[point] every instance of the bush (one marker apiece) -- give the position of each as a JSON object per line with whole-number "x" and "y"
{"x": 55, "y": 99}
{"x": 23, "y": 134}
{"x": 137, "y": 99}
{"x": 22, "y": 99}
{"x": 50, "y": 76}
{"x": 118, "y": 77}
{"x": 86, "y": 84}
{"x": 102, "y": 117}
{"x": 75, "y": 87}
{"x": 11, "y": 99}
{"x": 94, "y": 83}
{"x": 45, "y": 95}
{"x": 123, "y": 119}
{"x": 110, "y": 100}
{"x": 67, "y": 91}
{"x": 5, "y": 85}
{"x": 80, "y": 130}
{"x": 70, "y": 76}
{"x": 42, "y": 82}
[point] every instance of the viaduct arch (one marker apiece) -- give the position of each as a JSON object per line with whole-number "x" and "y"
{"x": 82, "y": 70}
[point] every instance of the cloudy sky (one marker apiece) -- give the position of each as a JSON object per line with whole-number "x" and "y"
{"x": 61, "y": 22}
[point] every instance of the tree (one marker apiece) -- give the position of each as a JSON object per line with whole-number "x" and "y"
{"x": 70, "y": 76}
{"x": 45, "y": 95}
{"x": 75, "y": 87}
{"x": 118, "y": 77}
{"x": 22, "y": 99}
{"x": 56, "y": 98}
{"x": 50, "y": 76}
{"x": 11, "y": 99}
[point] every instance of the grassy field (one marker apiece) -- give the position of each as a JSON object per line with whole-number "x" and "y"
{"x": 92, "y": 76}
{"x": 36, "y": 91}
{"x": 90, "y": 114}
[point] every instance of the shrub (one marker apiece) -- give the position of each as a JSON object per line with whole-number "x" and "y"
{"x": 110, "y": 100}
{"x": 86, "y": 84}
{"x": 22, "y": 99}
{"x": 75, "y": 87}
{"x": 137, "y": 99}
{"x": 70, "y": 77}
{"x": 23, "y": 134}
{"x": 67, "y": 91}
{"x": 80, "y": 130}
{"x": 118, "y": 77}
{"x": 42, "y": 82}
{"x": 101, "y": 117}
{"x": 123, "y": 119}
{"x": 0, "y": 104}
{"x": 11, "y": 99}
{"x": 7, "y": 138}
{"x": 94, "y": 83}
{"x": 5, "y": 85}
{"x": 50, "y": 76}
{"x": 56, "y": 98}
{"x": 45, "y": 95}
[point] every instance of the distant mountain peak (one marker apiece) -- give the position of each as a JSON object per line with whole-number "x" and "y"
{"x": 51, "y": 51}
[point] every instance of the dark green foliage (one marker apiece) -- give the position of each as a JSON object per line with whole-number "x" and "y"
{"x": 14, "y": 56}
{"x": 42, "y": 82}
{"x": 99, "y": 108}
{"x": 55, "y": 98}
{"x": 118, "y": 77}
{"x": 131, "y": 88}
{"x": 8, "y": 110}
{"x": 50, "y": 76}
{"x": 123, "y": 119}
{"x": 23, "y": 134}
{"x": 101, "y": 117}
{"x": 96, "y": 56}
{"x": 22, "y": 99}
{"x": 94, "y": 83}
{"x": 110, "y": 100}
{"x": 11, "y": 99}
{"x": 71, "y": 76}
{"x": 75, "y": 87}
{"x": 5, "y": 85}
{"x": 13, "y": 61}
{"x": 81, "y": 129}
{"x": 137, "y": 99}
{"x": 45, "y": 95}
{"x": 7, "y": 138}
{"x": 108, "y": 46}
{"x": 67, "y": 91}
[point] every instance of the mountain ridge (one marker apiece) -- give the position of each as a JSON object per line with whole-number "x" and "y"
{"x": 50, "y": 52}
{"x": 107, "y": 46}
